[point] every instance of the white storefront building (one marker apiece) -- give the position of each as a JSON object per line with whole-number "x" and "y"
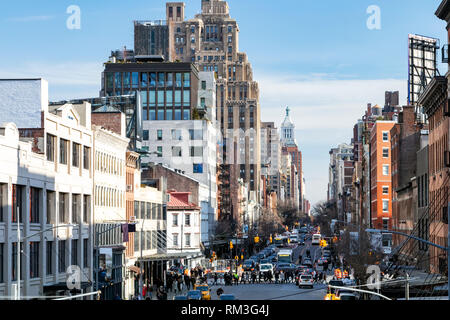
{"x": 45, "y": 184}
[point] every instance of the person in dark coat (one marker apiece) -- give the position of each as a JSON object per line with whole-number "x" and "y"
{"x": 187, "y": 282}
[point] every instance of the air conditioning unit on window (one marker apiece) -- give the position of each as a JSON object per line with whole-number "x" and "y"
{"x": 447, "y": 159}
{"x": 447, "y": 108}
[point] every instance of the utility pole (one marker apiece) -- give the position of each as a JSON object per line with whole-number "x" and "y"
{"x": 141, "y": 280}
{"x": 18, "y": 254}
{"x": 407, "y": 287}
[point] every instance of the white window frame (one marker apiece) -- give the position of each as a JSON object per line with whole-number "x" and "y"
{"x": 387, "y": 190}
{"x": 384, "y": 166}
{"x": 387, "y": 132}
{"x": 384, "y": 149}
{"x": 383, "y": 202}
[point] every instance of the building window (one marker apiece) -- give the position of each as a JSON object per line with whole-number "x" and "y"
{"x": 385, "y": 205}
{"x": 175, "y": 239}
{"x": 62, "y": 256}
{"x": 86, "y": 208}
{"x": 198, "y": 168}
{"x": 63, "y": 151}
{"x": 385, "y": 152}
{"x": 34, "y": 260}
{"x": 176, "y": 152}
{"x": 187, "y": 219}
{"x": 62, "y": 208}
{"x": 35, "y": 204}
{"x": 17, "y": 203}
{"x": 51, "y": 147}
{"x": 385, "y": 190}
{"x": 196, "y": 151}
{"x": 1, "y": 202}
{"x": 2, "y": 246}
{"x": 145, "y": 135}
{"x": 385, "y": 224}
{"x": 230, "y": 39}
{"x": 49, "y": 258}
{"x": 195, "y": 134}
{"x": 385, "y": 169}
{"x": 86, "y": 158}
{"x": 203, "y": 102}
{"x": 85, "y": 252}
{"x": 175, "y": 220}
{"x": 385, "y": 136}
{"x": 14, "y": 262}
{"x": 75, "y": 208}
{"x": 75, "y": 155}
{"x": 176, "y": 135}
{"x": 160, "y": 151}
{"x": 74, "y": 252}
{"x": 203, "y": 85}
{"x": 159, "y": 135}
{"x": 188, "y": 240}
{"x": 170, "y": 12}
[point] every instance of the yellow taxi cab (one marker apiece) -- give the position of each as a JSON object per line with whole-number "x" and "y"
{"x": 204, "y": 289}
{"x": 331, "y": 296}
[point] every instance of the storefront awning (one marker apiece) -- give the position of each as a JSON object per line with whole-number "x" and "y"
{"x": 135, "y": 269}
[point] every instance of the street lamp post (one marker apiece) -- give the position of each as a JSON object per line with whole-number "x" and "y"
{"x": 19, "y": 239}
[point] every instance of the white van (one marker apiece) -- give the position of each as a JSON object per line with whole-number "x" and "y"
{"x": 316, "y": 239}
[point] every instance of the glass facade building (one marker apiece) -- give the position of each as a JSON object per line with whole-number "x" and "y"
{"x": 168, "y": 90}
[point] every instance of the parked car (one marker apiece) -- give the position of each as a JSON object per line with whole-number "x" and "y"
{"x": 264, "y": 261}
{"x": 306, "y": 280}
{"x": 227, "y": 297}
{"x": 194, "y": 295}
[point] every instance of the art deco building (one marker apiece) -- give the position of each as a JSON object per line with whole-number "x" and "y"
{"x": 211, "y": 41}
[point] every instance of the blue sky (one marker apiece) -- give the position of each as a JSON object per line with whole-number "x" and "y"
{"x": 318, "y": 57}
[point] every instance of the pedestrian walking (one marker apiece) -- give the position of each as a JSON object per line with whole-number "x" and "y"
{"x": 269, "y": 276}
{"x": 253, "y": 277}
{"x": 281, "y": 276}
{"x": 187, "y": 282}
{"x": 179, "y": 283}
{"x": 277, "y": 276}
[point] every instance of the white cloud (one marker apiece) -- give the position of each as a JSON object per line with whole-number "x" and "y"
{"x": 324, "y": 110}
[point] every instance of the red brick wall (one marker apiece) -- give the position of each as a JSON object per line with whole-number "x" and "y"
{"x": 108, "y": 120}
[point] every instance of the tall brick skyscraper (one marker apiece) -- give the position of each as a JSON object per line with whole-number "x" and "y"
{"x": 211, "y": 41}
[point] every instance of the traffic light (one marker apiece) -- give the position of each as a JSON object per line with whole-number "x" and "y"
{"x": 231, "y": 244}
{"x": 242, "y": 257}
{"x": 236, "y": 258}
{"x": 256, "y": 239}
{"x": 270, "y": 239}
